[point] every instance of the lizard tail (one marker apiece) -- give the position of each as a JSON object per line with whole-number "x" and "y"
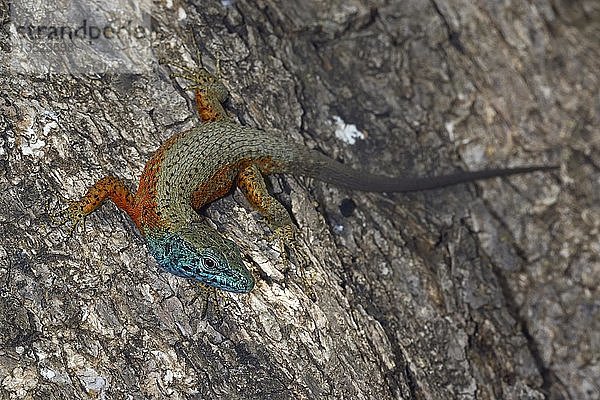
{"x": 336, "y": 173}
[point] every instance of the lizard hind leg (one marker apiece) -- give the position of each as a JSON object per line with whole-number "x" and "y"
{"x": 208, "y": 89}
{"x": 251, "y": 183}
{"x": 209, "y": 93}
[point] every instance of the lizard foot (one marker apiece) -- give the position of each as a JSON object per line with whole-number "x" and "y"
{"x": 290, "y": 243}
{"x": 72, "y": 214}
{"x": 209, "y": 92}
{"x": 285, "y": 236}
{"x": 198, "y": 75}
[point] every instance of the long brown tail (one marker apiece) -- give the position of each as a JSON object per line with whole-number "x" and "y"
{"x": 338, "y": 174}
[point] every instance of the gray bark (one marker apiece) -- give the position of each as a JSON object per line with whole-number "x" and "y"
{"x": 486, "y": 291}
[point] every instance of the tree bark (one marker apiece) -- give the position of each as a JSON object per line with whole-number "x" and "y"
{"x": 479, "y": 291}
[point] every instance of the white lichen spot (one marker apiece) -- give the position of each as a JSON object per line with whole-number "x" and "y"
{"x": 47, "y": 373}
{"x": 450, "y": 129}
{"x": 55, "y": 376}
{"x": 227, "y": 3}
{"x": 169, "y": 4}
{"x": 49, "y": 114}
{"x": 346, "y": 132}
{"x": 474, "y": 154}
{"x": 48, "y": 127}
{"x": 85, "y": 312}
{"x": 385, "y": 271}
{"x": 546, "y": 91}
{"x": 146, "y": 291}
{"x": 181, "y": 14}
{"x": 565, "y": 251}
{"x": 93, "y": 382}
{"x": 338, "y": 229}
{"x": 168, "y": 379}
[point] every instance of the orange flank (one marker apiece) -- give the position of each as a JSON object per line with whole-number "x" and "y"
{"x": 145, "y": 214}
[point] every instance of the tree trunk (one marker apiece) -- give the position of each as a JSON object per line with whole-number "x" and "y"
{"x": 486, "y": 291}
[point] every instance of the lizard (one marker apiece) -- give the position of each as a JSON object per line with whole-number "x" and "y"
{"x": 195, "y": 167}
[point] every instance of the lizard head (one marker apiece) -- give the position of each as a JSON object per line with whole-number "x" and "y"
{"x": 197, "y": 251}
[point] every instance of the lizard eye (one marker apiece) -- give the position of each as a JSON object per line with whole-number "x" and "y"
{"x": 209, "y": 262}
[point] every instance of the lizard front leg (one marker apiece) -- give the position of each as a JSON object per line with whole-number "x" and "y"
{"x": 107, "y": 187}
{"x": 251, "y": 183}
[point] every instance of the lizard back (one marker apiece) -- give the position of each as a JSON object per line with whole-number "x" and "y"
{"x": 202, "y": 164}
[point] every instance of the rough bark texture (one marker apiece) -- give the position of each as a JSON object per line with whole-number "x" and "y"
{"x": 486, "y": 291}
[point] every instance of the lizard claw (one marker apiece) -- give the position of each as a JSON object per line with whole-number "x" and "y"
{"x": 211, "y": 298}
